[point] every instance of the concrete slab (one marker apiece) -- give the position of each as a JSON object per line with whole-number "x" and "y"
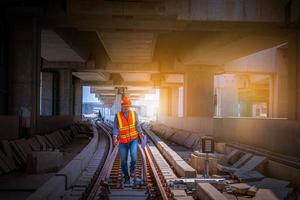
{"x": 39, "y": 162}
{"x": 208, "y": 192}
{"x": 185, "y": 170}
{"x": 270, "y": 183}
{"x": 276, "y": 194}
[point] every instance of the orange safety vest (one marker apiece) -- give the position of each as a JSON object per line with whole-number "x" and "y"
{"x": 127, "y": 129}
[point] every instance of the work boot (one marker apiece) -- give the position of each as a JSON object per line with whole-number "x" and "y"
{"x": 132, "y": 173}
{"x": 127, "y": 180}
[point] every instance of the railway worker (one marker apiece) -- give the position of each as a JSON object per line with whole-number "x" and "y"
{"x": 126, "y": 131}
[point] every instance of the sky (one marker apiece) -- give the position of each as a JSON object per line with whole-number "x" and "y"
{"x": 87, "y": 96}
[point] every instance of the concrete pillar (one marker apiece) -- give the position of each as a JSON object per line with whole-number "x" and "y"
{"x": 77, "y": 98}
{"x": 281, "y": 85}
{"x": 3, "y": 69}
{"x": 294, "y": 75}
{"x": 246, "y": 109}
{"x": 65, "y": 92}
{"x": 199, "y": 93}
{"x": 165, "y": 102}
{"x": 226, "y": 91}
{"x": 46, "y": 94}
{"x": 24, "y": 69}
{"x": 174, "y": 101}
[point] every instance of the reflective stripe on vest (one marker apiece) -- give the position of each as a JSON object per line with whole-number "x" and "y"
{"x": 127, "y": 129}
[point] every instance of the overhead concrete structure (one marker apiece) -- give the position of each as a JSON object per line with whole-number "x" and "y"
{"x": 54, "y": 48}
{"x": 128, "y": 47}
{"x": 226, "y": 68}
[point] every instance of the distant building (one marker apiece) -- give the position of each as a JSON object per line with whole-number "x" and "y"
{"x": 90, "y": 107}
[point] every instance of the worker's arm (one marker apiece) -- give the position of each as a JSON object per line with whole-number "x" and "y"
{"x": 115, "y": 130}
{"x": 138, "y": 125}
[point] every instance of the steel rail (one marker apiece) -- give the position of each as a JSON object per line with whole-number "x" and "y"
{"x": 156, "y": 175}
{"x": 98, "y": 185}
{"x": 144, "y": 174}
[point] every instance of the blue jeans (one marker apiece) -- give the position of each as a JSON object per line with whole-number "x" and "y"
{"x": 124, "y": 148}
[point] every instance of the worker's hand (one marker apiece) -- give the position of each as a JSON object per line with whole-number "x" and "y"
{"x": 141, "y": 135}
{"x": 115, "y": 141}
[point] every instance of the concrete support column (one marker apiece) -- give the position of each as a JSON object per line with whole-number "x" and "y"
{"x": 165, "y": 102}
{"x": 46, "y": 94}
{"x": 3, "y": 68}
{"x": 65, "y": 92}
{"x": 294, "y": 75}
{"x": 281, "y": 85}
{"x": 24, "y": 69}
{"x": 77, "y": 98}
{"x": 246, "y": 109}
{"x": 174, "y": 101}
{"x": 199, "y": 93}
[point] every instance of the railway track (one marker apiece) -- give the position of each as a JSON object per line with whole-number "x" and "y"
{"x": 108, "y": 181}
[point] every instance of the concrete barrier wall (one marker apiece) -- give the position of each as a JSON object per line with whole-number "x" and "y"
{"x": 74, "y": 168}
{"x": 46, "y": 124}
{"x": 276, "y": 135}
{"x": 63, "y": 180}
{"x": 9, "y": 127}
{"x": 195, "y": 124}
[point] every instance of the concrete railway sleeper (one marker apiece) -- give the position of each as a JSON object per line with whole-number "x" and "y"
{"x": 107, "y": 182}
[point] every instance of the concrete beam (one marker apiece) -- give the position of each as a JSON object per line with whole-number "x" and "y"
{"x": 147, "y": 85}
{"x": 88, "y": 65}
{"x": 54, "y": 48}
{"x": 152, "y": 67}
{"x": 168, "y": 15}
{"x": 228, "y": 46}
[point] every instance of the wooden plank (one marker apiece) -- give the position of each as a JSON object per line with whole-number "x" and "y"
{"x": 54, "y": 139}
{"x": 231, "y": 157}
{"x": 10, "y": 153}
{"x": 240, "y": 188}
{"x": 41, "y": 140}
{"x": 62, "y": 137}
{"x": 73, "y": 129}
{"x": 47, "y": 142}
{"x": 276, "y": 194}
{"x": 21, "y": 150}
{"x": 66, "y": 138}
{"x": 51, "y": 141}
{"x": 69, "y": 134}
{"x": 25, "y": 146}
{"x": 208, "y": 192}
{"x": 34, "y": 145}
{"x": 253, "y": 163}
{"x": 4, "y": 167}
{"x": 7, "y": 149}
{"x": 59, "y": 138}
{"x": 270, "y": 183}
{"x": 242, "y": 160}
{"x": 249, "y": 176}
{"x": 19, "y": 155}
{"x": 10, "y": 163}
